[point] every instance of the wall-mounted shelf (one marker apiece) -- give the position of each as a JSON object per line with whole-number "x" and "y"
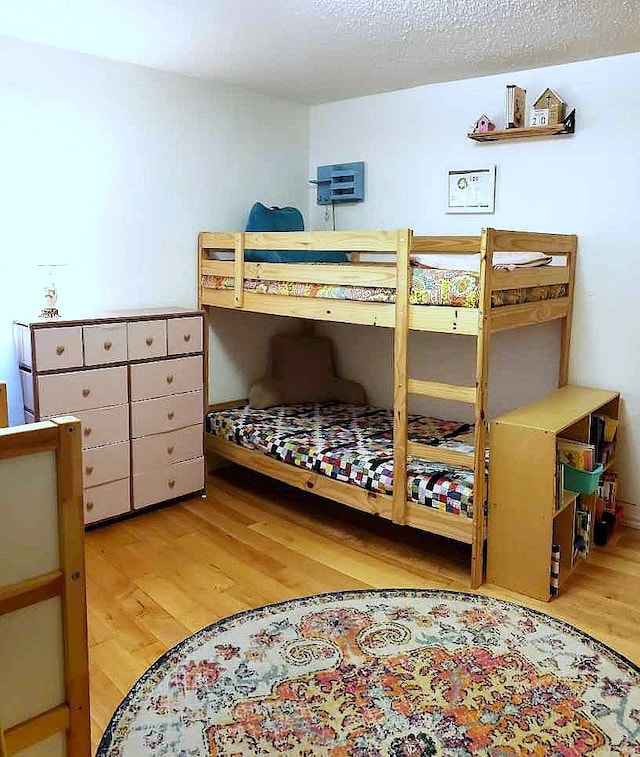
{"x": 568, "y": 126}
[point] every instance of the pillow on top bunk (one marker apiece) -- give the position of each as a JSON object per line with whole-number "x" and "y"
{"x": 302, "y": 370}
{"x": 262, "y": 218}
{"x": 463, "y": 261}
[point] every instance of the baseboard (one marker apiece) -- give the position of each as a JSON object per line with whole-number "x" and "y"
{"x": 631, "y": 515}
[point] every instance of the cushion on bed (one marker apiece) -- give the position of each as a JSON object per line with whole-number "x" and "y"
{"x": 302, "y": 371}
{"x": 262, "y": 218}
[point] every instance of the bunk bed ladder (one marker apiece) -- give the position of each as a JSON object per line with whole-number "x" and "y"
{"x": 473, "y": 395}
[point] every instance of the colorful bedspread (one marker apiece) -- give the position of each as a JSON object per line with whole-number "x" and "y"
{"x": 429, "y": 286}
{"x": 354, "y": 443}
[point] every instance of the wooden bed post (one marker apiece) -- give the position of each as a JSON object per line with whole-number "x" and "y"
{"x": 565, "y": 342}
{"x": 4, "y": 408}
{"x": 238, "y": 270}
{"x": 481, "y": 422}
{"x": 400, "y": 378}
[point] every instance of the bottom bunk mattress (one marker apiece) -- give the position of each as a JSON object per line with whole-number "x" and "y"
{"x": 354, "y": 443}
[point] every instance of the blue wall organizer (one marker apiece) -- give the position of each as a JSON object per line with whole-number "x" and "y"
{"x": 341, "y": 182}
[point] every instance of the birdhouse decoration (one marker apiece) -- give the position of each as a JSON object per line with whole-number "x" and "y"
{"x": 551, "y": 102}
{"x": 484, "y": 124}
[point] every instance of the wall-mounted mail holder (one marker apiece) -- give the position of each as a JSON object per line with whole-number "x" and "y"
{"x": 342, "y": 182}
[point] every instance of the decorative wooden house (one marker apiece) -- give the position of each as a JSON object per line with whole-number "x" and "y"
{"x": 484, "y": 124}
{"x": 551, "y": 101}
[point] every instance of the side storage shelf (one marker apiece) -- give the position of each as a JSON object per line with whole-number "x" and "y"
{"x": 538, "y": 530}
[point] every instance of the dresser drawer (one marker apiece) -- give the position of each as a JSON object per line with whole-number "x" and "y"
{"x": 106, "y": 501}
{"x": 58, "y": 348}
{"x": 105, "y": 343}
{"x": 165, "y": 483}
{"x": 184, "y": 335}
{"x": 26, "y": 382}
{"x": 166, "y": 414}
{"x": 103, "y": 464}
{"x": 170, "y": 447}
{"x": 104, "y": 426}
{"x": 69, "y": 392}
{"x": 147, "y": 339}
{"x": 163, "y": 377}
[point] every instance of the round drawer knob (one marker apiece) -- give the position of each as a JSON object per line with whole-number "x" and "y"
{"x": 86, "y": 430}
{"x": 172, "y": 483}
{"x": 170, "y": 415}
{"x": 59, "y": 349}
{"x": 149, "y": 341}
{"x": 170, "y": 449}
{"x": 86, "y": 392}
{"x": 170, "y": 378}
{"x": 89, "y": 506}
{"x": 88, "y": 470}
{"x": 186, "y": 337}
{"x": 107, "y": 345}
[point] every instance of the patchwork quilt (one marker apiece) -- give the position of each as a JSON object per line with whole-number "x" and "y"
{"x": 429, "y": 286}
{"x": 354, "y": 443}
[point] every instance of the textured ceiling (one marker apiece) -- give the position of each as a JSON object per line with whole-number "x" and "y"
{"x": 316, "y": 51}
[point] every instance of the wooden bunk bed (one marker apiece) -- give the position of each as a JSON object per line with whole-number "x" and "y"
{"x": 486, "y": 317}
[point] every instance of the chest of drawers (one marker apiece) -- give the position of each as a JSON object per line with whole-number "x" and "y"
{"x": 136, "y": 382}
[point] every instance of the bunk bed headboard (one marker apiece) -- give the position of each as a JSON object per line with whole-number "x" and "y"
{"x": 44, "y": 689}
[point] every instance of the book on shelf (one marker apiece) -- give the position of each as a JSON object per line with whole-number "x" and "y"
{"x": 579, "y": 455}
{"x": 559, "y": 481}
{"x": 555, "y": 570}
{"x": 516, "y": 97}
{"x": 582, "y": 533}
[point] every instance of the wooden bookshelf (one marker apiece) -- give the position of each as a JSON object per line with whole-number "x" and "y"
{"x": 567, "y": 126}
{"x": 524, "y": 519}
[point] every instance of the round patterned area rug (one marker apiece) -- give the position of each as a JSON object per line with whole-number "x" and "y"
{"x": 383, "y": 672}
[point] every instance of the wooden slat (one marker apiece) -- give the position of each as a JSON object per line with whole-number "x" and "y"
{"x": 456, "y": 527}
{"x": 348, "y": 494}
{"x": 439, "y": 455}
{"x": 368, "y": 313}
{"x": 529, "y": 277}
{"x": 227, "y": 405}
{"x": 30, "y": 591}
{"x": 443, "y": 319}
{"x": 527, "y": 314}
{"x": 27, "y": 440}
{"x": 443, "y": 391}
{"x": 400, "y": 378}
{"x": 347, "y": 241}
{"x": 219, "y": 298}
{"x": 24, "y": 735}
{"x": 4, "y": 406}
{"x": 74, "y": 601}
{"x": 565, "y": 340}
{"x": 519, "y": 133}
{"x": 531, "y": 241}
{"x": 217, "y": 240}
{"x": 217, "y": 268}
{"x": 339, "y": 274}
{"x": 445, "y": 244}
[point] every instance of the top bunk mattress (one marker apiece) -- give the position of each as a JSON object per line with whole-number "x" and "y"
{"x": 354, "y": 443}
{"x": 429, "y": 286}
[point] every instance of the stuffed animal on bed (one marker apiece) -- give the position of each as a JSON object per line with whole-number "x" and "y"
{"x": 302, "y": 370}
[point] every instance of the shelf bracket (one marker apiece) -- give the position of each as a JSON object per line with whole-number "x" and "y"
{"x": 570, "y": 122}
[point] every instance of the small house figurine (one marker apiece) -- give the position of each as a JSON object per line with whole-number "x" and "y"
{"x": 483, "y": 124}
{"x": 551, "y": 101}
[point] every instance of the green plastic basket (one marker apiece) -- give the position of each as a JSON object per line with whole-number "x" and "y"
{"x": 581, "y": 481}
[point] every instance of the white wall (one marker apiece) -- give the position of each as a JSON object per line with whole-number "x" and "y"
{"x": 114, "y": 169}
{"x": 586, "y": 184}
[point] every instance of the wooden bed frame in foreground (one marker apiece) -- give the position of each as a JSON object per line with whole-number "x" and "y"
{"x": 403, "y": 317}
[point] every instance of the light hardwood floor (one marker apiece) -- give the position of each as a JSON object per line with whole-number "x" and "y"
{"x": 154, "y": 579}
